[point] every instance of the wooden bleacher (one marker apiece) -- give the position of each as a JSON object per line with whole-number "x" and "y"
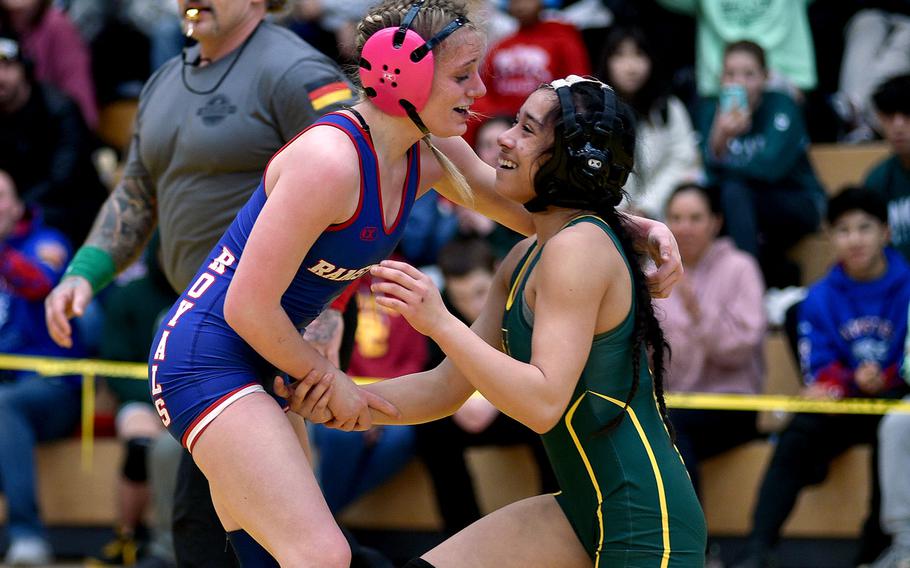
{"x": 71, "y": 496}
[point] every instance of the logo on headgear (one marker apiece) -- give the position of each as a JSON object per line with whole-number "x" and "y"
{"x": 411, "y": 57}
{"x": 595, "y": 164}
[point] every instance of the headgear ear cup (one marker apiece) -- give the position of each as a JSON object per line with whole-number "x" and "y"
{"x": 396, "y": 65}
{"x": 590, "y": 163}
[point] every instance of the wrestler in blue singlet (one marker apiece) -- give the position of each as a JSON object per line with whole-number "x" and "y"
{"x": 198, "y": 365}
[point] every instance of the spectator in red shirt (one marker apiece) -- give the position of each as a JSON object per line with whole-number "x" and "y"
{"x": 537, "y": 53}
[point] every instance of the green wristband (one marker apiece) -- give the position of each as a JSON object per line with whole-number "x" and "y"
{"x": 93, "y": 264}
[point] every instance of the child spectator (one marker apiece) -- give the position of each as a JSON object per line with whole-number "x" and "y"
{"x": 891, "y": 177}
{"x": 33, "y": 409}
{"x": 666, "y": 151}
{"x": 715, "y": 324}
{"x": 852, "y": 328}
{"x": 350, "y": 464}
{"x": 59, "y": 53}
{"x": 755, "y": 152}
{"x": 467, "y": 268}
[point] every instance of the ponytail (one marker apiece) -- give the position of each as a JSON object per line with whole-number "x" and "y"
{"x": 452, "y": 173}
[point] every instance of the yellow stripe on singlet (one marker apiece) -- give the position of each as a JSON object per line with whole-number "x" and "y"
{"x": 658, "y": 478}
{"x": 587, "y": 462}
{"x": 661, "y": 493}
{"x": 518, "y": 280}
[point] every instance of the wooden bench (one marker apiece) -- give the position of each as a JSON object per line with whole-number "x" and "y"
{"x": 69, "y": 495}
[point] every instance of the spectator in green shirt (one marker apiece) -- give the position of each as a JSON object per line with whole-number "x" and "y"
{"x": 781, "y": 27}
{"x": 754, "y": 145}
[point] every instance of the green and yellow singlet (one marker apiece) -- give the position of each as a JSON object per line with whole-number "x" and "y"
{"x": 626, "y": 492}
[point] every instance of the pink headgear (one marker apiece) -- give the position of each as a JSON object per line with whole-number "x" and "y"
{"x": 396, "y": 66}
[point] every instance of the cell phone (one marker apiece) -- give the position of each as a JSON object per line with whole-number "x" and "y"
{"x": 733, "y": 97}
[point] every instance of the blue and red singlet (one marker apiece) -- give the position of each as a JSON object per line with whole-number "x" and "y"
{"x": 198, "y": 365}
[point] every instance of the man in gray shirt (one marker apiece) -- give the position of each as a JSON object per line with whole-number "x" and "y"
{"x": 207, "y": 124}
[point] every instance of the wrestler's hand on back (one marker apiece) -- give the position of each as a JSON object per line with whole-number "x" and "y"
{"x": 655, "y": 239}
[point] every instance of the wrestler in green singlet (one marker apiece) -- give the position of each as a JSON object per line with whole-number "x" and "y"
{"x": 626, "y": 491}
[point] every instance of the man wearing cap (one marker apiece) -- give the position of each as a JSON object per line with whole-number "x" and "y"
{"x": 46, "y": 147}
{"x": 207, "y": 124}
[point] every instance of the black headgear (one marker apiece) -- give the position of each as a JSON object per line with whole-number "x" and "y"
{"x": 592, "y": 161}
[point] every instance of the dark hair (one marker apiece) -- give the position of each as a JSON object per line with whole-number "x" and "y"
{"x": 463, "y": 255}
{"x": 560, "y": 180}
{"x": 893, "y": 96}
{"x": 604, "y": 193}
{"x": 710, "y": 195}
{"x": 651, "y": 98}
{"x": 749, "y": 47}
{"x": 857, "y": 199}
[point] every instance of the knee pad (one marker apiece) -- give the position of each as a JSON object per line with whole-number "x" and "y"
{"x": 250, "y": 553}
{"x": 418, "y": 563}
{"x": 134, "y": 463}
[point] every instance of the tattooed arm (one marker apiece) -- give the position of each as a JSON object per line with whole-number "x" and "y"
{"x": 121, "y": 230}
{"x": 126, "y": 221}
{"x": 324, "y": 334}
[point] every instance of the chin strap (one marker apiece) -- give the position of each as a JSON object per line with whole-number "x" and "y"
{"x": 415, "y": 118}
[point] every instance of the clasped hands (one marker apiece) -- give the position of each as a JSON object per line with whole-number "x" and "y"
{"x": 331, "y": 398}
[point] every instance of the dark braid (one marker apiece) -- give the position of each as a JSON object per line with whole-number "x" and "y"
{"x": 646, "y": 331}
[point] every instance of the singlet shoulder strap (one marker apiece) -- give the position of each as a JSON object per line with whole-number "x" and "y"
{"x": 520, "y": 273}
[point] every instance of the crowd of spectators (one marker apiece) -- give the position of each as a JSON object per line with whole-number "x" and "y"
{"x": 729, "y": 96}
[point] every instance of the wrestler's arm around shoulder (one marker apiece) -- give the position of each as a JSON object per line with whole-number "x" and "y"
{"x": 652, "y": 237}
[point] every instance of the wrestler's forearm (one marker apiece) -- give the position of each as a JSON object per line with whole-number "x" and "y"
{"x": 422, "y": 397}
{"x": 126, "y": 221}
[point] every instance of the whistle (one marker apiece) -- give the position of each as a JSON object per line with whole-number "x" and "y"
{"x": 191, "y": 16}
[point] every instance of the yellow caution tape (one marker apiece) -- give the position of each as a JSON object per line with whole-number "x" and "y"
{"x": 770, "y": 402}
{"x": 705, "y": 401}
{"x": 53, "y": 366}
{"x": 90, "y": 368}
